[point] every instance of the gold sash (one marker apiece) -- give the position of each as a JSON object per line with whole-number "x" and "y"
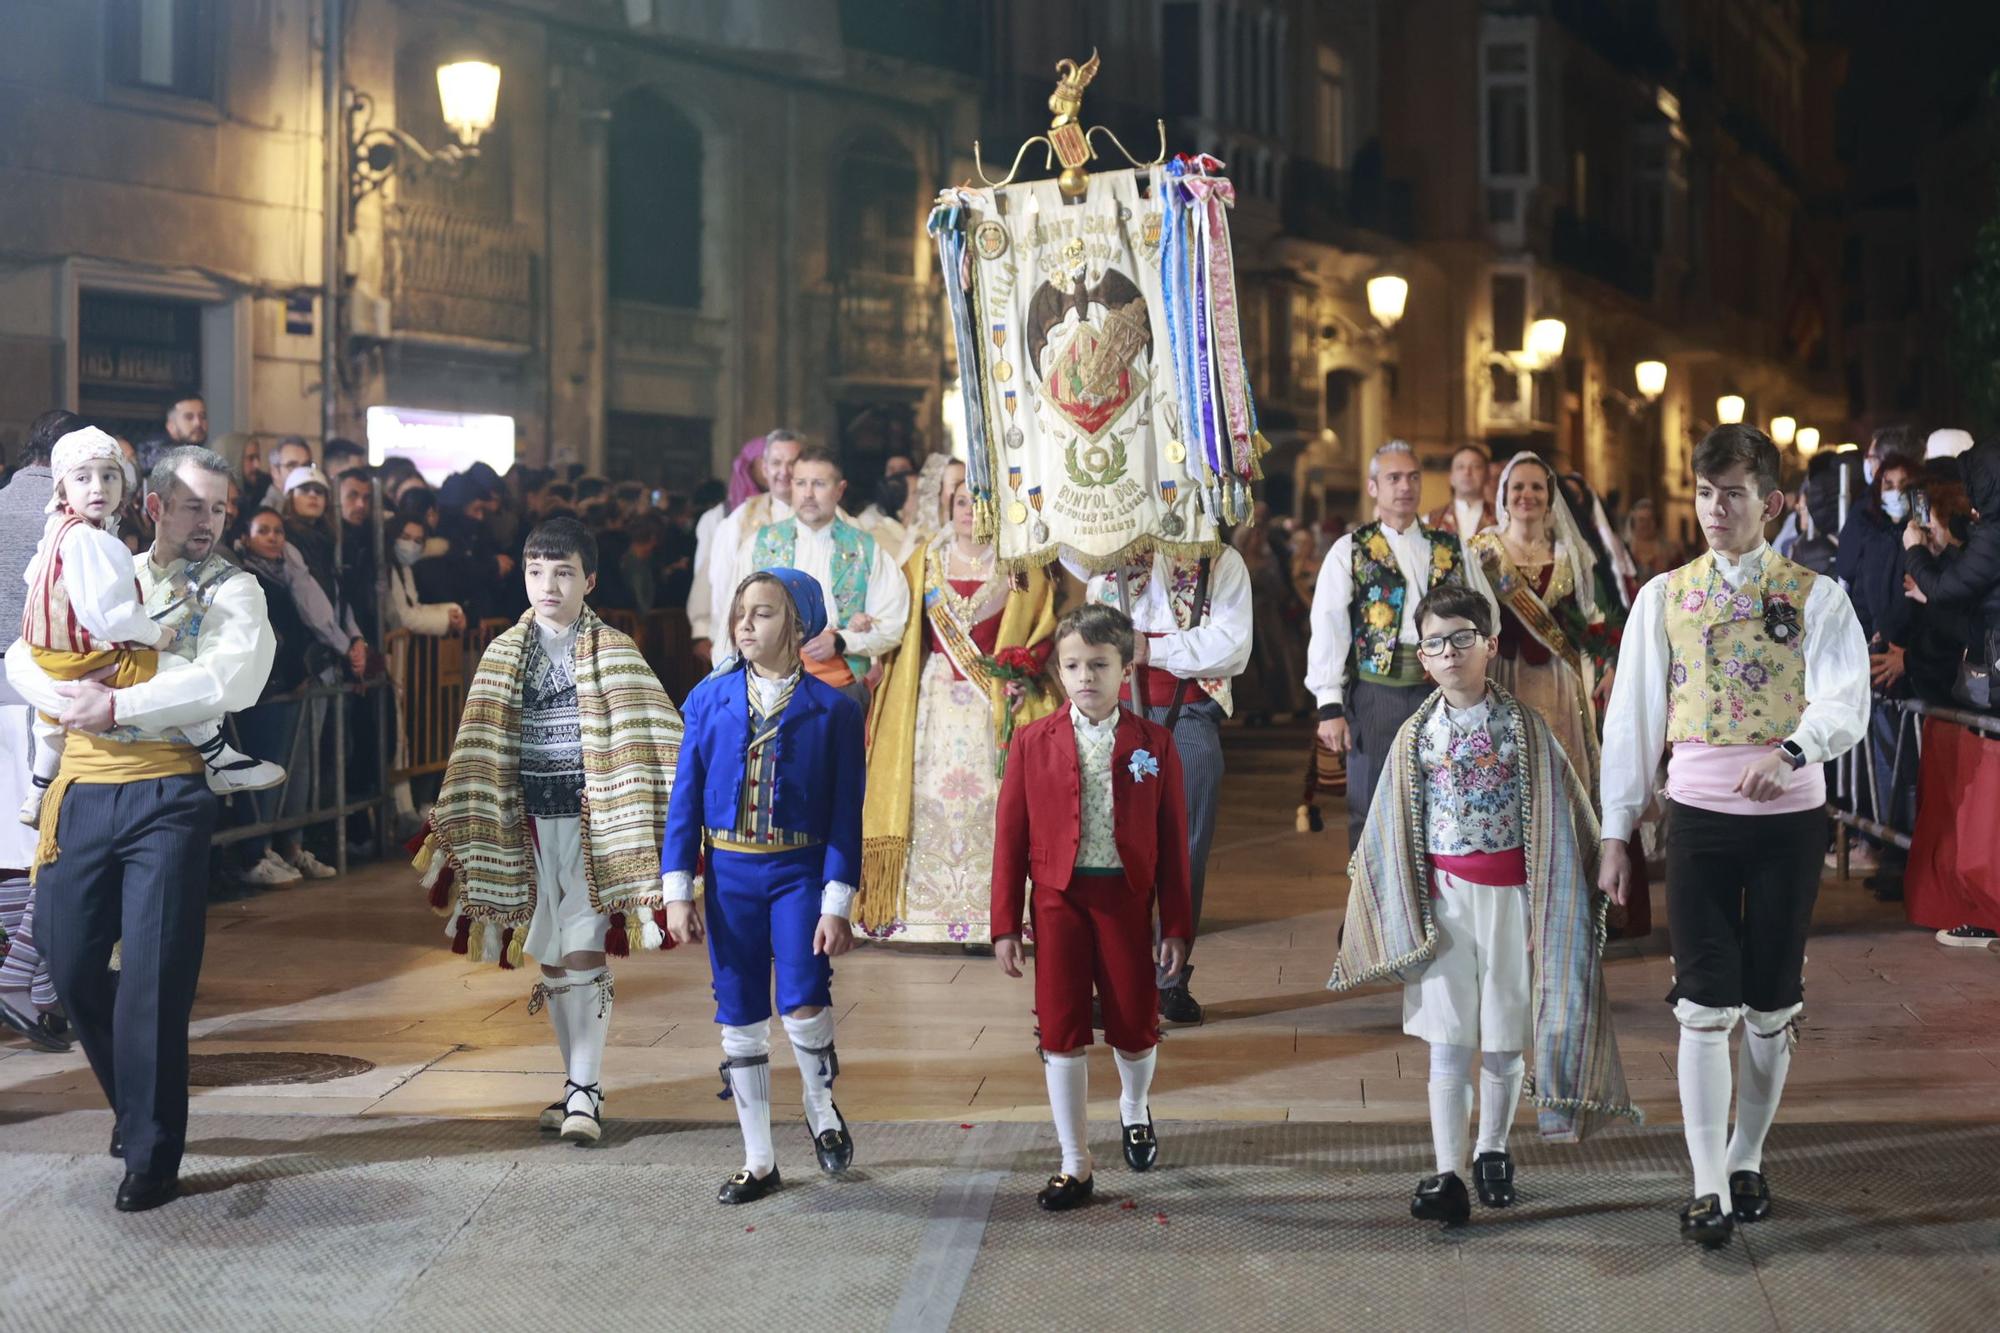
{"x": 1029, "y": 618}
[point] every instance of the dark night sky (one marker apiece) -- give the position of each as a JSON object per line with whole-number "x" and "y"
{"x": 1917, "y": 69}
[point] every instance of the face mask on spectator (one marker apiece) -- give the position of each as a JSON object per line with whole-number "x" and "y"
{"x": 408, "y": 552}
{"x": 1896, "y": 505}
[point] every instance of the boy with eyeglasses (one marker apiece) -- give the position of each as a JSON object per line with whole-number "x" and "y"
{"x": 1475, "y": 885}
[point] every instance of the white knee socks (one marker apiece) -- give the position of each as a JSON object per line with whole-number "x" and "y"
{"x": 746, "y": 1071}
{"x": 1069, "y": 1096}
{"x": 1761, "y": 1067}
{"x": 1500, "y": 1076}
{"x": 812, "y": 1045}
{"x": 1451, "y": 1105}
{"x": 1135, "y": 1084}
{"x": 1704, "y": 1080}
{"x": 584, "y": 1010}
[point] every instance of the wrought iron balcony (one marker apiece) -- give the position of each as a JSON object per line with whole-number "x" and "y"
{"x": 884, "y": 327}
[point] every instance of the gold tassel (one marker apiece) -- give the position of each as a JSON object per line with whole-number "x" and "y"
{"x": 46, "y": 850}
{"x": 425, "y": 854}
{"x": 475, "y": 942}
{"x": 515, "y": 951}
{"x": 881, "y": 901}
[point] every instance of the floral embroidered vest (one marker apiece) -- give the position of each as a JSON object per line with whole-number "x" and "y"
{"x": 1379, "y": 594}
{"x": 853, "y": 555}
{"x": 1737, "y": 664}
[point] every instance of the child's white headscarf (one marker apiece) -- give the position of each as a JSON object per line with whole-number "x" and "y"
{"x": 80, "y": 447}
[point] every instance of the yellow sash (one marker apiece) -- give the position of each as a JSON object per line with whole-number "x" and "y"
{"x": 99, "y": 759}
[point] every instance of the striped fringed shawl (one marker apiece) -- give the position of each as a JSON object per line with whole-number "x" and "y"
{"x": 1574, "y": 1077}
{"x": 478, "y": 860}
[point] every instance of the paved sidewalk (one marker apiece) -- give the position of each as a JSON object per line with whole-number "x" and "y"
{"x": 409, "y": 1189}
{"x": 309, "y": 1223}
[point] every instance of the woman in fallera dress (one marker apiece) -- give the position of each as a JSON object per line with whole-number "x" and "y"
{"x": 938, "y": 737}
{"x": 1539, "y": 572}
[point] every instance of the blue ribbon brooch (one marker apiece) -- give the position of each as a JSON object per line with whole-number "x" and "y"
{"x": 1143, "y": 766}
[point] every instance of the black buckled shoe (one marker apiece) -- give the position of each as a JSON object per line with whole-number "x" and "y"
{"x": 1442, "y": 1198}
{"x": 117, "y": 1141}
{"x": 1064, "y": 1192}
{"x": 834, "y": 1147}
{"x": 1493, "y": 1177}
{"x": 1704, "y": 1222}
{"x": 1142, "y": 1146}
{"x": 138, "y": 1193}
{"x": 747, "y": 1187}
{"x": 1749, "y": 1195}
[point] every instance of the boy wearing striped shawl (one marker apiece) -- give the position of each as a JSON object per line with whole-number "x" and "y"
{"x": 1474, "y": 885}
{"x": 543, "y": 837}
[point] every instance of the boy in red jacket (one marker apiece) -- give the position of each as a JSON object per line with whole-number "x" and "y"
{"x": 1091, "y": 811}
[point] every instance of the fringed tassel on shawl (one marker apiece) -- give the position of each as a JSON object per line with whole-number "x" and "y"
{"x": 461, "y": 938}
{"x": 616, "y": 942}
{"x": 434, "y": 869}
{"x": 510, "y": 953}
{"x": 653, "y": 930}
{"x": 882, "y": 899}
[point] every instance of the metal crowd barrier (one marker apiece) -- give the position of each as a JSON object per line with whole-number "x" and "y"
{"x": 432, "y": 674}
{"x": 1855, "y": 804}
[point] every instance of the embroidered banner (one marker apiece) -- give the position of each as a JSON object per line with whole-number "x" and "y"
{"x": 1081, "y": 417}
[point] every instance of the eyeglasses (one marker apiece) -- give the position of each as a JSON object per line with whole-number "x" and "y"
{"x": 1460, "y": 639}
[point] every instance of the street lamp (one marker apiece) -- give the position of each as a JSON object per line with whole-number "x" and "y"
{"x": 1388, "y": 294}
{"x": 1784, "y": 430}
{"x": 1545, "y": 340}
{"x": 468, "y": 96}
{"x": 1729, "y": 409}
{"x": 1808, "y": 441}
{"x": 1651, "y": 377}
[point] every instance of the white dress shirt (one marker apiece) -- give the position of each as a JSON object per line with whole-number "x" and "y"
{"x": 230, "y": 661}
{"x": 1218, "y": 648}
{"x": 887, "y": 604}
{"x": 1097, "y": 849}
{"x": 1635, "y": 725}
{"x": 836, "y": 898}
{"x": 1332, "y": 640}
{"x": 98, "y": 575}
{"x": 1471, "y": 516}
{"x": 699, "y": 614}
{"x": 711, "y": 594}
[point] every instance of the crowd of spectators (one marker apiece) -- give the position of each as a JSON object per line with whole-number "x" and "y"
{"x": 348, "y": 553}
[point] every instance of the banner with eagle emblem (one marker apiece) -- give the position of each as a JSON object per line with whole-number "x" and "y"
{"x": 1108, "y": 412}
{"x": 1075, "y": 384}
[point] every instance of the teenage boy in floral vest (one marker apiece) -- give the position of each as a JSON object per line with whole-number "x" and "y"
{"x": 1091, "y": 811}
{"x": 867, "y": 598}
{"x": 1361, "y": 661}
{"x": 1753, "y": 672}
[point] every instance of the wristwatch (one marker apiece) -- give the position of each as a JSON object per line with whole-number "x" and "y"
{"x": 1793, "y": 754}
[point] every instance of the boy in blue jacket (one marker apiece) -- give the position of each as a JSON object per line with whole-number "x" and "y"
{"x": 772, "y": 769}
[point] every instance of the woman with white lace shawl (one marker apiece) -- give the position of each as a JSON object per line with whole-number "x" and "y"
{"x": 1540, "y": 575}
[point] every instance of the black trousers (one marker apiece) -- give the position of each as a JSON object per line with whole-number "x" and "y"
{"x": 133, "y": 866}
{"x": 1740, "y": 895}
{"x": 1374, "y": 713}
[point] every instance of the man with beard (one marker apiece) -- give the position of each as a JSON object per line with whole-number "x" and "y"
{"x": 133, "y": 827}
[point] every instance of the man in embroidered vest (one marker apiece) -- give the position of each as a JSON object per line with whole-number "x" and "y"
{"x": 1361, "y": 660}
{"x": 133, "y": 817}
{"x": 765, "y": 462}
{"x": 1192, "y": 643}
{"x": 1754, "y": 672}
{"x": 1470, "y": 511}
{"x": 867, "y": 597}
